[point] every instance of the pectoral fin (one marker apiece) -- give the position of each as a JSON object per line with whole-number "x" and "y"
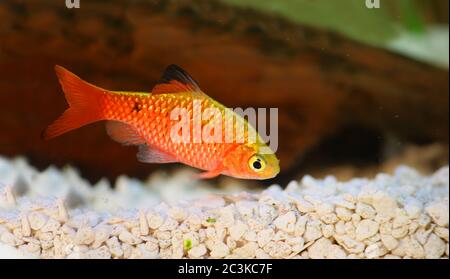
{"x": 148, "y": 154}
{"x": 124, "y": 133}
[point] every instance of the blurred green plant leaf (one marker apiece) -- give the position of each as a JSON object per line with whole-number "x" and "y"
{"x": 397, "y": 25}
{"x": 349, "y": 17}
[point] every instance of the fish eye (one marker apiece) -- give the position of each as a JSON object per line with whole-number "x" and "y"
{"x": 256, "y": 163}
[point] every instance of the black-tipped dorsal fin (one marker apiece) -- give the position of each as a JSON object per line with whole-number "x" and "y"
{"x": 175, "y": 80}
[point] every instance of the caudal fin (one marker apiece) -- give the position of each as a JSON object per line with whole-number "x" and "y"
{"x": 84, "y": 104}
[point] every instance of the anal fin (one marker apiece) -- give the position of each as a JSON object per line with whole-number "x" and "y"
{"x": 208, "y": 174}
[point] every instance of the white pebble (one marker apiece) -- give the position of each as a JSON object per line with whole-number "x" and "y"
{"x": 327, "y": 230}
{"x": 278, "y": 249}
{"x": 303, "y": 206}
{"x": 297, "y": 244}
{"x": 375, "y": 250}
{"x": 168, "y": 225}
{"x": 384, "y": 204}
{"x": 197, "y": 251}
{"x": 400, "y": 232}
{"x": 414, "y": 249}
{"x": 312, "y": 231}
{"x": 219, "y": 250}
{"x": 434, "y": 247}
{"x": 250, "y": 236}
{"x": 143, "y": 223}
{"x": 336, "y": 252}
{"x": 300, "y": 225}
{"x": 265, "y": 236}
{"x": 261, "y": 254}
{"x": 177, "y": 213}
{"x": 10, "y": 239}
{"x": 339, "y": 227}
{"x": 413, "y": 210}
{"x": 237, "y": 230}
{"x": 154, "y": 220}
{"x": 366, "y": 229}
{"x": 26, "y": 229}
{"x": 52, "y": 225}
{"x": 439, "y": 213}
{"x": 227, "y": 215}
{"x": 286, "y": 222}
{"x": 247, "y": 251}
{"x": 320, "y": 248}
{"x": 99, "y": 253}
{"x": 329, "y": 218}
{"x": 349, "y": 244}
{"x": 102, "y": 234}
{"x": 324, "y": 208}
{"x": 343, "y": 213}
{"x": 389, "y": 241}
{"x": 401, "y": 219}
{"x": 365, "y": 211}
{"x": 246, "y": 208}
{"x": 37, "y": 220}
{"x": 442, "y": 233}
{"x": 85, "y": 235}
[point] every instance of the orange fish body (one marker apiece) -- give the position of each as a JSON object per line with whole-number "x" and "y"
{"x": 146, "y": 120}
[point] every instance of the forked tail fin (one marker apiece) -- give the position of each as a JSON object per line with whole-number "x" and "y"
{"x": 84, "y": 104}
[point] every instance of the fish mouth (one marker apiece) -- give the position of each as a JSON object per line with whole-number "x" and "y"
{"x": 272, "y": 174}
{"x": 275, "y": 168}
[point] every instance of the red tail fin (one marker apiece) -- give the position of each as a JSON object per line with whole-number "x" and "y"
{"x": 84, "y": 104}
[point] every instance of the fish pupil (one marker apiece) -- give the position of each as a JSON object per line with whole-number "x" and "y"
{"x": 257, "y": 164}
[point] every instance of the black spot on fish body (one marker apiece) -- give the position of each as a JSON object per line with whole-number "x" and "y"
{"x": 137, "y": 107}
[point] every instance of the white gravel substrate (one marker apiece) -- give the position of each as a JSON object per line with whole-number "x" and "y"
{"x": 56, "y": 214}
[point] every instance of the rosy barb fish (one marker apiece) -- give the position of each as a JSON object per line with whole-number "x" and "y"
{"x": 144, "y": 119}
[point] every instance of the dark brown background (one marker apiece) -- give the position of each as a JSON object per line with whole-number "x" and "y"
{"x": 337, "y": 99}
